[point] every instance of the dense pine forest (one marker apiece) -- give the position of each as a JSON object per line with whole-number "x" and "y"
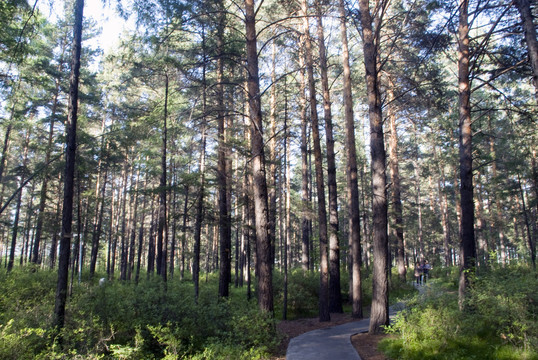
{"x": 227, "y": 165}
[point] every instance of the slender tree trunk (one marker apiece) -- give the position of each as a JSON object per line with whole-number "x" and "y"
{"x": 352, "y": 177}
{"x": 184, "y": 233}
{"x": 335, "y": 291}
{"x": 380, "y": 290}
{"x": 467, "y": 239}
{"x": 44, "y": 186}
{"x": 132, "y": 226}
{"x": 123, "y": 215}
{"x": 174, "y": 210}
{"x": 305, "y": 200}
{"x": 141, "y": 233}
{"x": 445, "y": 223}
{"x": 200, "y": 200}
{"x": 396, "y": 187}
{"x": 162, "y": 231}
{"x": 272, "y": 155}
{"x": 261, "y": 208}
{"x": 54, "y": 242}
{"x": 530, "y": 244}
{"x": 69, "y": 177}
{"x": 18, "y": 206}
{"x": 225, "y": 234}
{"x": 324, "y": 314}
{"x": 287, "y": 237}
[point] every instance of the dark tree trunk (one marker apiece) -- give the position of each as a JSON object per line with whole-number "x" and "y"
{"x": 200, "y": 199}
{"x": 263, "y": 240}
{"x": 132, "y": 227}
{"x": 529, "y": 29}
{"x": 162, "y": 231}
{"x": 44, "y": 186}
{"x": 335, "y": 291}
{"x": 225, "y": 234}
{"x": 380, "y": 290}
{"x": 18, "y": 207}
{"x": 324, "y": 314}
{"x": 69, "y": 177}
{"x": 184, "y": 233}
{"x": 467, "y": 236}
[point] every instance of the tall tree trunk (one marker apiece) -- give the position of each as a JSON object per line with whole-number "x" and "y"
{"x": 132, "y": 226}
{"x": 200, "y": 199}
{"x": 352, "y": 177}
{"x": 380, "y": 289}
{"x": 396, "y": 187}
{"x": 287, "y": 233}
{"x": 263, "y": 240}
{"x": 162, "y": 231}
{"x": 184, "y": 233}
{"x": 69, "y": 177}
{"x": 123, "y": 216}
{"x": 18, "y": 206}
{"x": 529, "y": 28}
{"x": 445, "y": 222}
{"x": 44, "y": 185}
{"x": 305, "y": 200}
{"x": 272, "y": 154}
{"x": 335, "y": 291}
{"x": 530, "y": 244}
{"x": 324, "y": 314}
{"x": 225, "y": 233}
{"x": 467, "y": 239}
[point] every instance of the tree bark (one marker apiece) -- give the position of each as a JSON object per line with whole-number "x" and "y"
{"x": 261, "y": 208}
{"x": 352, "y": 177}
{"x": 162, "y": 231}
{"x": 225, "y": 233}
{"x": 529, "y": 28}
{"x": 335, "y": 291}
{"x": 69, "y": 177}
{"x": 18, "y": 206}
{"x": 467, "y": 236}
{"x": 396, "y": 187}
{"x": 324, "y": 314}
{"x": 305, "y": 199}
{"x": 380, "y": 290}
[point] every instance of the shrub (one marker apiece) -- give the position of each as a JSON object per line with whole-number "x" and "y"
{"x": 500, "y": 322}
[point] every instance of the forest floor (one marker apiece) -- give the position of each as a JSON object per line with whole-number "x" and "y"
{"x": 366, "y": 345}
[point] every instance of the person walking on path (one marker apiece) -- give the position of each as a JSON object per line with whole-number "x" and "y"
{"x": 426, "y": 267}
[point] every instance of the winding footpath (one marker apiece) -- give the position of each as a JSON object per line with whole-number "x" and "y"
{"x": 332, "y": 343}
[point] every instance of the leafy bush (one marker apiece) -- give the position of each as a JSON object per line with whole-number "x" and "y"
{"x": 500, "y": 323}
{"x": 121, "y": 320}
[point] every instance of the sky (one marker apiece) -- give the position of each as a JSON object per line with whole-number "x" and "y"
{"x": 102, "y": 11}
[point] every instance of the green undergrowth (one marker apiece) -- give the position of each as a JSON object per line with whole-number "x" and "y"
{"x": 122, "y": 320}
{"x": 499, "y": 320}
{"x": 127, "y": 321}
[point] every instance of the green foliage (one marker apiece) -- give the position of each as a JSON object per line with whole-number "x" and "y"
{"x": 303, "y": 293}
{"x": 121, "y": 320}
{"x": 500, "y": 322}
